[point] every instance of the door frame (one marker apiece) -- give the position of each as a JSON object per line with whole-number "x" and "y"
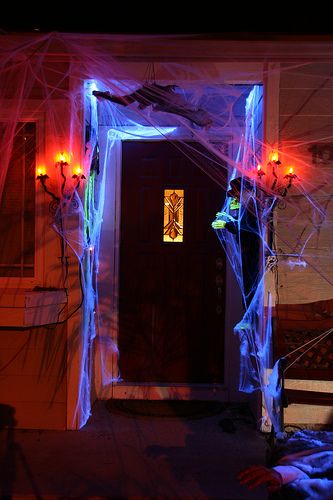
{"x": 111, "y": 228}
{"x": 107, "y": 384}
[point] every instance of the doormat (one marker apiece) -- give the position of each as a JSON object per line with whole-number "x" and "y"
{"x": 165, "y": 408}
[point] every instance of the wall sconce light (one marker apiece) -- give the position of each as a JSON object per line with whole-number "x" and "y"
{"x": 260, "y": 171}
{"x": 277, "y": 186}
{"x": 290, "y": 176}
{"x": 41, "y": 172}
{"x": 274, "y": 162}
{"x": 274, "y": 157}
{"x": 61, "y": 159}
{"x": 61, "y": 163}
{"x": 42, "y": 176}
{"x": 77, "y": 173}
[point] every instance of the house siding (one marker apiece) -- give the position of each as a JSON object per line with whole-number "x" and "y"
{"x": 33, "y": 376}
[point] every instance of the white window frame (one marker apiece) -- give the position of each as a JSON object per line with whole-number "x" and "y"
{"x": 29, "y": 115}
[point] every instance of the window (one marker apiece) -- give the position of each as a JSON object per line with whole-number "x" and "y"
{"x": 17, "y": 206}
{"x": 173, "y": 215}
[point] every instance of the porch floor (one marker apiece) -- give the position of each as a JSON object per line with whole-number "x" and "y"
{"x": 120, "y": 456}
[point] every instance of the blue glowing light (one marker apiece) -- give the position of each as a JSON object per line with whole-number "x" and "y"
{"x": 137, "y": 132}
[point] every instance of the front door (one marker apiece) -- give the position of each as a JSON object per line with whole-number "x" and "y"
{"x": 172, "y": 269}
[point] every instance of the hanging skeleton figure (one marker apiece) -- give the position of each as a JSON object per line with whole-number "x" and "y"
{"x": 242, "y": 221}
{"x": 161, "y": 98}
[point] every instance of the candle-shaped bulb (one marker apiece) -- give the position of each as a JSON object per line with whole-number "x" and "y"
{"x": 274, "y": 156}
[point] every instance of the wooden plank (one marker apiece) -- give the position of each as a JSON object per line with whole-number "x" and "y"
{"x": 12, "y": 297}
{"x": 33, "y": 376}
{"x": 11, "y": 316}
{"x": 38, "y": 362}
{"x": 13, "y": 338}
{"x": 306, "y": 102}
{"x": 37, "y": 337}
{"x": 16, "y": 297}
{"x": 309, "y": 313}
{"x": 301, "y": 128}
{"x": 44, "y": 298}
{"x": 309, "y": 397}
{"x": 308, "y": 414}
{"x": 306, "y": 76}
{"x": 309, "y": 385}
{"x": 30, "y": 388}
{"x": 38, "y": 415}
{"x": 49, "y": 314}
{"x": 32, "y": 316}
{"x": 20, "y": 308}
{"x": 303, "y": 285}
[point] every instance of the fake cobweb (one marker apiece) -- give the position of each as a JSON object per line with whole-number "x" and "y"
{"x": 85, "y": 101}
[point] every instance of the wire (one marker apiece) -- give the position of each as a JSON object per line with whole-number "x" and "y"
{"x": 79, "y": 305}
{"x": 60, "y": 322}
{"x": 312, "y": 340}
{"x": 299, "y": 357}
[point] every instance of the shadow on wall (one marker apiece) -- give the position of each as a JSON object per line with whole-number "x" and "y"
{"x": 11, "y": 454}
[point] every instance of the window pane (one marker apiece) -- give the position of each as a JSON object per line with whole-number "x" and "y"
{"x": 173, "y": 215}
{"x": 17, "y": 208}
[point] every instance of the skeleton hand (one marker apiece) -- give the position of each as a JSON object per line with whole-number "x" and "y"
{"x": 218, "y": 224}
{"x": 257, "y": 475}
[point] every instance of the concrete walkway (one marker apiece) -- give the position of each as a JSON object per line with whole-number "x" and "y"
{"x": 118, "y": 456}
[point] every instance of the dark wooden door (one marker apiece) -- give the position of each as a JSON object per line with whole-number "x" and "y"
{"x": 171, "y": 294}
